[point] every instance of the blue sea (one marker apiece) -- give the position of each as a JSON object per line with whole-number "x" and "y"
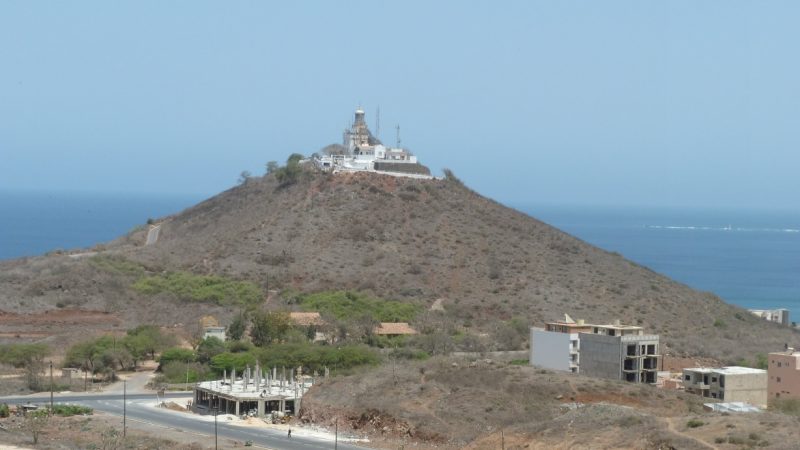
{"x": 34, "y": 223}
{"x": 749, "y": 258}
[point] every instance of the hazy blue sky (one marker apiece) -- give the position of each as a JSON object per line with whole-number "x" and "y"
{"x": 663, "y": 103}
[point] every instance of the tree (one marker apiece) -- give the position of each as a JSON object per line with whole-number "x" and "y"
{"x": 269, "y": 327}
{"x": 176, "y": 354}
{"x": 244, "y": 177}
{"x": 209, "y": 348}
{"x": 147, "y": 340}
{"x": 334, "y": 149}
{"x": 272, "y": 166}
{"x": 26, "y": 356}
{"x": 290, "y": 173}
{"x": 236, "y": 328}
{"x": 35, "y": 422}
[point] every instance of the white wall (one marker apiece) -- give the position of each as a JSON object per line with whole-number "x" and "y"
{"x": 550, "y": 350}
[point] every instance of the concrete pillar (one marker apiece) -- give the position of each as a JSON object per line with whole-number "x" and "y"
{"x": 261, "y": 408}
{"x": 237, "y": 407}
{"x": 282, "y": 405}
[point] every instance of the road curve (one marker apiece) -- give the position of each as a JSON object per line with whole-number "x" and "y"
{"x": 139, "y": 407}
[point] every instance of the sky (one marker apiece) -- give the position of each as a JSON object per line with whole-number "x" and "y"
{"x": 679, "y": 103}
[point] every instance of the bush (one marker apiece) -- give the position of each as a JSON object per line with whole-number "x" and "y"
{"x": 177, "y": 372}
{"x": 228, "y": 361}
{"x": 4, "y": 411}
{"x": 201, "y": 288}
{"x": 347, "y": 304}
{"x": 209, "y": 348}
{"x": 790, "y": 406}
{"x": 695, "y": 423}
{"x": 61, "y": 409}
{"x": 176, "y": 354}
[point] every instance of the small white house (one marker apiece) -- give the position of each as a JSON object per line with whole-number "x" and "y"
{"x": 217, "y": 332}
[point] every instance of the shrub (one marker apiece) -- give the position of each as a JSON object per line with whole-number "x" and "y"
{"x": 177, "y": 354}
{"x": 347, "y": 304}
{"x": 201, "y": 288}
{"x": 179, "y": 372}
{"x": 790, "y": 406}
{"x": 695, "y": 423}
{"x": 61, "y": 409}
{"x": 116, "y": 264}
{"x": 4, "y": 411}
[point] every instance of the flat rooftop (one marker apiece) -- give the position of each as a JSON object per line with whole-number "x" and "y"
{"x": 732, "y": 370}
{"x": 252, "y": 391}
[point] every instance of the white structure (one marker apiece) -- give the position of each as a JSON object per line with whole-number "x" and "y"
{"x": 731, "y": 384}
{"x": 557, "y": 345}
{"x": 362, "y": 152}
{"x": 217, "y": 332}
{"x": 611, "y": 351}
{"x": 780, "y": 315}
{"x": 258, "y": 392}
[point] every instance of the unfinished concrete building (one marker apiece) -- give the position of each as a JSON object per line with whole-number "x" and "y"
{"x": 256, "y": 393}
{"x": 557, "y": 345}
{"x": 731, "y": 384}
{"x": 620, "y": 353}
{"x": 613, "y": 351}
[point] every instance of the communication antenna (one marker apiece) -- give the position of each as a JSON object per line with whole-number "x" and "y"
{"x": 378, "y": 123}
{"x": 398, "y": 135}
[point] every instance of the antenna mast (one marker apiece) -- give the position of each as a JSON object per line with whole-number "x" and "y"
{"x": 398, "y": 136}
{"x": 378, "y": 123}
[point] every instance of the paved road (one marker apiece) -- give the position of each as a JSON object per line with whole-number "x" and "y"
{"x": 152, "y": 234}
{"x": 140, "y": 407}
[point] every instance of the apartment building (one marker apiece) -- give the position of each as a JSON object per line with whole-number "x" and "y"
{"x": 783, "y": 370}
{"x": 729, "y": 384}
{"x": 621, "y": 353}
{"x": 616, "y": 351}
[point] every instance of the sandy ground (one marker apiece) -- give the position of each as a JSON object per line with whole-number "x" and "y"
{"x": 303, "y": 431}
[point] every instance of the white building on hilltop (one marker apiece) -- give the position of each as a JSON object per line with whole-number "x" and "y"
{"x": 362, "y": 152}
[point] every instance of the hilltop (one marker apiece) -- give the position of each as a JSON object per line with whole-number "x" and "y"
{"x": 414, "y": 240}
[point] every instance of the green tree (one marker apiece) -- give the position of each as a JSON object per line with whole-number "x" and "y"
{"x": 35, "y": 423}
{"x": 26, "y": 356}
{"x": 290, "y": 173}
{"x": 269, "y": 327}
{"x": 244, "y": 177}
{"x": 237, "y": 327}
{"x": 147, "y": 340}
{"x": 209, "y": 348}
{"x": 178, "y": 354}
{"x": 272, "y": 166}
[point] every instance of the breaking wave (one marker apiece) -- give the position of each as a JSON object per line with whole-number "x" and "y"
{"x": 728, "y": 228}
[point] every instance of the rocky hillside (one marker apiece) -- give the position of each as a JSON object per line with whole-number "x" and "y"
{"x": 418, "y": 240}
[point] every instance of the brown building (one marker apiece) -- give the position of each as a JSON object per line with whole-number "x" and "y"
{"x": 783, "y": 371}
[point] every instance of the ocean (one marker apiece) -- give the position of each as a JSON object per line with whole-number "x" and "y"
{"x": 34, "y": 223}
{"x": 749, "y": 258}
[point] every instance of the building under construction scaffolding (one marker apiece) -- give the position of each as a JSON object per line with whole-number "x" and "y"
{"x": 258, "y": 392}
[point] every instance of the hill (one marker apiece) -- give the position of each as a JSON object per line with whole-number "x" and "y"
{"x": 418, "y": 241}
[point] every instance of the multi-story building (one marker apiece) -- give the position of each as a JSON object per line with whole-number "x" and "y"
{"x": 780, "y": 315}
{"x": 557, "y": 346}
{"x": 783, "y": 370}
{"x": 560, "y": 346}
{"x": 729, "y": 384}
{"x": 621, "y": 353}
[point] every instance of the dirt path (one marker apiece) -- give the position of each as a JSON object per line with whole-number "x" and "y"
{"x": 672, "y": 428}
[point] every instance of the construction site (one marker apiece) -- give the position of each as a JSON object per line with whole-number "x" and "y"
{"x": 258, "y": 393}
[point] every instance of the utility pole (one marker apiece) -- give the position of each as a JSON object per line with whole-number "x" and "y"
{"x": 336, "y": 436}
{"x": 187, "y": 375}
{"x": 124, "y": 407}
{"x": 502, "y": 440}
{"x": 216, "y": 410}
{"x": 51, "y": 387}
